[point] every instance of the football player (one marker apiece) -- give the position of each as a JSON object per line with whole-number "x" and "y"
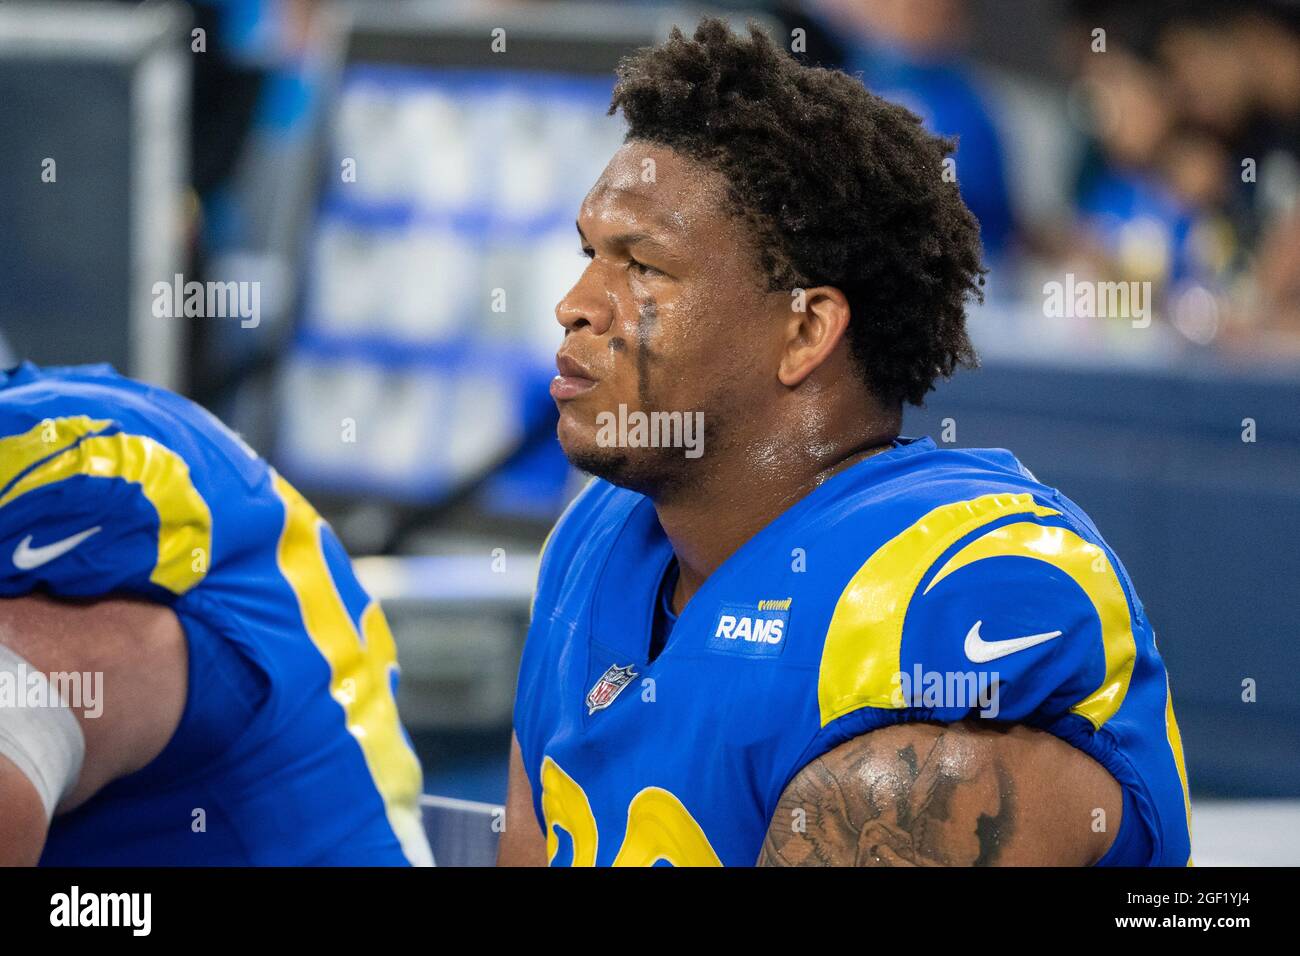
{"x": 190, "y": 672}
{"x": 810, "y": 640}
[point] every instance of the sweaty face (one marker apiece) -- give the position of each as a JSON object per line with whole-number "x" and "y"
{"x": 671, "y": 318}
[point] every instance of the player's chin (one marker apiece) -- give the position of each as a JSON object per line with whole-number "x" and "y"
{"x": 583, "y": 416}
{"x": 580, "y": 438}
{"x": 578, "y": 434}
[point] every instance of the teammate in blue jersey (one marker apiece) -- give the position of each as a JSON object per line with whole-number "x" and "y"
{"x": 808, "y": 640}
{"x": 190, "y": 672}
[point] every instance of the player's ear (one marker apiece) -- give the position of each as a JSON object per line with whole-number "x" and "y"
{"x": 816, "y": 323}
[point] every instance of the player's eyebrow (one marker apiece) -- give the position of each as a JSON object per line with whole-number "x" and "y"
{"x": 623, "y": 240}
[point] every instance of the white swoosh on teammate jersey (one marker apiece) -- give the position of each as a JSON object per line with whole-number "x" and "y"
{"x": 981, "y": 651}
{"x": 26, "y": 557}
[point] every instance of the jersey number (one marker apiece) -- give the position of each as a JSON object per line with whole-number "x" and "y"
{"x": 658, "y": 826}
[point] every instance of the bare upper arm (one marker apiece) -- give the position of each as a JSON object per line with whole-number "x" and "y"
{"x": 132, "y": 660}
{"x": 22, "y": 818}
{"x": 965, "y": 794}
{"x": 522, "y": 842}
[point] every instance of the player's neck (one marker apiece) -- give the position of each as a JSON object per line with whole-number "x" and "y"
{"x": 711, "y": 520}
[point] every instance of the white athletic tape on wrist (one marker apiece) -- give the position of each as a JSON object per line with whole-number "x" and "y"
{"x": 44, "y": 742}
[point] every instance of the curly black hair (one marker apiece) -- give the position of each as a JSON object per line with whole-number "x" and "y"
{"x": 839, "y": 187}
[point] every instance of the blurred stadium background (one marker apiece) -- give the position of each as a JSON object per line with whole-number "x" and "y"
{"x": 403, "y": 193}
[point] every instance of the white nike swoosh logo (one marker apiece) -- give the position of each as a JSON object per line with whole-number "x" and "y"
{"x": 981, "y": 651}
{"x": 26, "y": 557}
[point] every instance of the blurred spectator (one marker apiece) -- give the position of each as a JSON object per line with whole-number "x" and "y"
{"x": 1190, "y": 176}
{"x": 1126, "y": 202}
{"x": 910, "y": 51}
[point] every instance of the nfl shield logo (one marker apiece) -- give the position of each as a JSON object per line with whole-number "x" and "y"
{"x": 609, "y": 686}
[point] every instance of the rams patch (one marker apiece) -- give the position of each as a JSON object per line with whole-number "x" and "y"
{"x": 745, "y": 629}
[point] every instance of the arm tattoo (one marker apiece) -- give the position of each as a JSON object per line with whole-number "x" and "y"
{"x": 914, "y": 795}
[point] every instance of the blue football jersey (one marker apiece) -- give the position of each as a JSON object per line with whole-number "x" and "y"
{"x": 289, "y": 750}
{"x": 920, "y": 584}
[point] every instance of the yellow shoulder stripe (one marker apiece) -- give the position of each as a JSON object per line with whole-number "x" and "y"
{"x": 184, "y": 520}
{"x": 20, "y": 452}
{"x": 1088, "y": 566}
{"x": 862, "y": 655}
{"x": 1176, "y": 745}
{"x": 360, "y": 665}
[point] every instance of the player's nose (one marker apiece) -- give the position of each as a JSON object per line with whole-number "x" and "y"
{"x": 586, "y": 304}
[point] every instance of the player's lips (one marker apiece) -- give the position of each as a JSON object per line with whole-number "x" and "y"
{"x": 574, "y": 379}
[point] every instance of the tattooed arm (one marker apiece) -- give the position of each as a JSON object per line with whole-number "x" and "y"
{"x": 966, "y": 794}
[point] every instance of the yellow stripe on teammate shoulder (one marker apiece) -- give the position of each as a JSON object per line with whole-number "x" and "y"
{"x": 361, "y": 666}
{"x": 45, "y": 438}
{"x": 184, "y": 519}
